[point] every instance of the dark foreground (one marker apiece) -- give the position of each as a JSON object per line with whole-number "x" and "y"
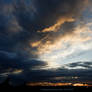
{"x": 46, "y": 88}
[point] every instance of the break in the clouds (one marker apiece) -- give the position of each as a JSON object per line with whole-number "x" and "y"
{"x": 43, "y": 39}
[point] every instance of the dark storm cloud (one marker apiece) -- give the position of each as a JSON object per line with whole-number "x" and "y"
{"x": 19, "y": 22}
{"x": 25, "y": 18}
{"x": 45, "y": 14}
{"x": 82, "y": 64}
{"x": 12, "y": 60}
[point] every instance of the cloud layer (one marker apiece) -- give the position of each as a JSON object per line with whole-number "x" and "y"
{"x": 35, "y": 32}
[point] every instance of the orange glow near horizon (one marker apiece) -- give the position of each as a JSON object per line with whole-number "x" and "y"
{"x": 56, "y": 84}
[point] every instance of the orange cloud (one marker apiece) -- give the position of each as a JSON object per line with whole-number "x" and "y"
{"x": 56, "y": 27}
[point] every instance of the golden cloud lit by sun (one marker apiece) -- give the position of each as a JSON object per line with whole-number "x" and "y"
{"x": 56, "y": 27}
{"x": 81, "y": 34}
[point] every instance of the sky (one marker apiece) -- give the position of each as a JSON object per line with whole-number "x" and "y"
{"x": 45, "y": 41}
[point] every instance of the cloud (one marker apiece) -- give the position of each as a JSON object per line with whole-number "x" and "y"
{"x": 52, "y": 75}
{"x": 56, "y": 26}
{"x": 68, "y": 48}
{"x": 25, "y": 18}
{"x": 30, "y": 28}
{"x": 18, "y": 70}
{"x": 81, "y": 64}
{"x": 11, "y": 63}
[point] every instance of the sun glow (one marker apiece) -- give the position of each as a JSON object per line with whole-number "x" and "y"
{"x": 66, "y": 47}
